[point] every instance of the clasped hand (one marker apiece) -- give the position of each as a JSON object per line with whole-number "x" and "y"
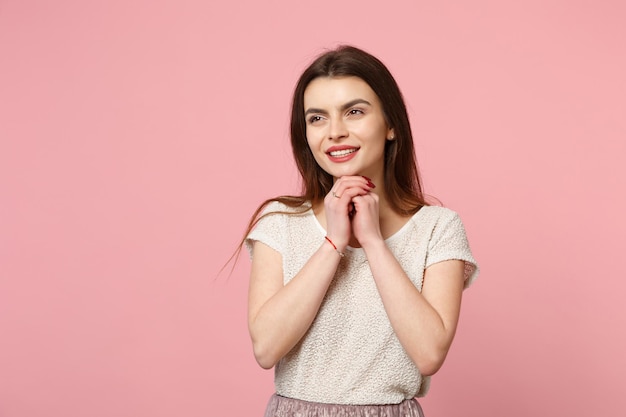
{"x": 352, "y": 209}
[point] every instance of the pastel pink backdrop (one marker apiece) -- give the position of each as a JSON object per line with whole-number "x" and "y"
{"x": 137, "y": 137}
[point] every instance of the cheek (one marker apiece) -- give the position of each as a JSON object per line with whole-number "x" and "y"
{"x": 314, "y": 147}
{"x": 312, "y": 138}
{"x": 371, "y": 126}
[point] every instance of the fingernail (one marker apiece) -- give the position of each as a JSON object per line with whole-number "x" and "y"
{"x": 368, "y": 179}
{"x": 370, "y": 184}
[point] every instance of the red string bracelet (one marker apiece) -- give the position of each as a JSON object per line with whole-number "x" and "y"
{"x": 331, "y": 242}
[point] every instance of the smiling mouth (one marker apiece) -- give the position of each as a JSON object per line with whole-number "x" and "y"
{"x": 343, "y": 152}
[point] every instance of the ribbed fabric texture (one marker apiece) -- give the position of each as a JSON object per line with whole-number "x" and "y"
{"x": 350, "y": 355}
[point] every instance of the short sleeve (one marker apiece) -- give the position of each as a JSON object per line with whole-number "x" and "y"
{"x": 449, "y": 241}
{"x": 268, "y": 229}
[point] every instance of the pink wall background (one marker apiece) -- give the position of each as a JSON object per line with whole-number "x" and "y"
{"x": 137, "y": 137}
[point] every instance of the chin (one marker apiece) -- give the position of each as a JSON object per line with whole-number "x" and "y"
{"x": 338, "y": 173}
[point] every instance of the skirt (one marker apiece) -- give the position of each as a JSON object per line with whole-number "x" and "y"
{"x": 288, "y": 407}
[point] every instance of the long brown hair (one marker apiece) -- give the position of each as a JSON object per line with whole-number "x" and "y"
{"x": 401, "y": 180}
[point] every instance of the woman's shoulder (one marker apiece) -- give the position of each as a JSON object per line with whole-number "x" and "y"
{"x": 284, "y": 207}
{"x": 282, "y": 211}
{"x": 434, "y": 220}
{"x": 280, "y": 217}
{"x": 435, "y": 213}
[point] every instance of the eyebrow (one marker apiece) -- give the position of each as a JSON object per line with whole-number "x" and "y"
{"x": 346, "y": 106}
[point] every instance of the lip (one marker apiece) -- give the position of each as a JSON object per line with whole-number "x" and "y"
{"x": 342, "y": 158}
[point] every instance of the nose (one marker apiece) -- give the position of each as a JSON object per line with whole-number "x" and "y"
{"x": 337, "y": 129}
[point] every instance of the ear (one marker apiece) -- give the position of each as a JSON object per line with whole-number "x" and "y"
{"x": 391, "y": 135}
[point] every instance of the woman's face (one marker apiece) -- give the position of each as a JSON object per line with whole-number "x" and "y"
{"x": 345, "y": 127}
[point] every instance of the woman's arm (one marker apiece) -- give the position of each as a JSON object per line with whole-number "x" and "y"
{"x": 279, "y": 315}
{"x": 425, "y": 323}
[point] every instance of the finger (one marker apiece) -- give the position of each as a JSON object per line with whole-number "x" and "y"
{"x": 340, "y": 187}
{"x": 359, "y": 180}
{"x": 366, "y": 199}
{"x": 348, "y": 194}
{"x": 355, "y": 180}
{"x": 366, "y": 203}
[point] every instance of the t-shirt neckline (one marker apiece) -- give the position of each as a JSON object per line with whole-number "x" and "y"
{"x": 388, "y": 241}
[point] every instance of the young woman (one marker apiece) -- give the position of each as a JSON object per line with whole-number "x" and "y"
{"x": 355, "y": 286}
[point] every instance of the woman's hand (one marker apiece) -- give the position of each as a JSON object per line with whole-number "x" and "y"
{"x": 366, "y": 220}
{"x": 339, "y": 206}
